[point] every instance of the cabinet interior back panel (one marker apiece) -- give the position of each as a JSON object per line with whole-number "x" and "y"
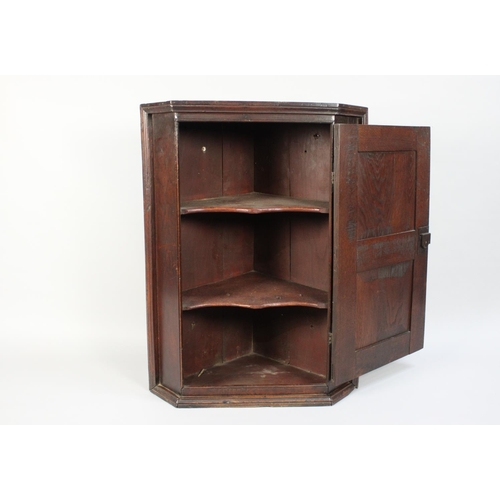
{"x": 215, "y": 247}
{"x": 310, "y": 250}
{"x": 293, "y": 160}
{"x": 230, "y": 159}
{"x": 293, "y": 335}
{"x": 200, "y": 161}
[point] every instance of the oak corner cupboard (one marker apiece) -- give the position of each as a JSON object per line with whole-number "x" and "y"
{"x": 286, "y": 249}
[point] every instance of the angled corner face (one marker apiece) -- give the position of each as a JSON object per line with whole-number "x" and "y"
{"x": 148, "y": 198}
{"x": 161, "y": 213}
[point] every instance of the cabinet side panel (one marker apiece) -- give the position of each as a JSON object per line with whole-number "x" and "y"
{"x": 148, "y": 172}
{"x": 166, "y": 255}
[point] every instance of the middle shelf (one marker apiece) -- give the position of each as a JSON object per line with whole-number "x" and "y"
{"x": 254, "y": 290}
{"x": 254, "y": 203}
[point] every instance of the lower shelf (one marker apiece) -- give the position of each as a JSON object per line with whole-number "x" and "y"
{"x": 253, "y": 370}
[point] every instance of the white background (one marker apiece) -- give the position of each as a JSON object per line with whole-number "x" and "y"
{"x": 72, "y": 301}
{"x": 73, "y": 324}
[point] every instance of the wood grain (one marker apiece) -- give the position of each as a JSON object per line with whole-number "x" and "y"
{"x": 166, "y": 250}
{"x": 253, "y": 370}
{"x": 237, "y": 159}
{"x": 310, "y": 251}
{"x": 344, "y": 254}
{"x": 254, "y": 203}
{"x": 295, "y": 336}
{"x": 309, "y": 161}
{"x": 253, "y": 291}
{"x": 215, "y": 247}
{"x": 381, "y": 200}
{"x": 272, "y": 245}
{"x": 250, "y": 259}
{"x": 386, "y": 193}
{"x": 211, "y": 336}
{"x": 381, "y": 353}
{"x": 200, "y": 160}
{"x": 148, "y": 194}
{"x": 383, "y": 303}
{"x": 386, "y": 250}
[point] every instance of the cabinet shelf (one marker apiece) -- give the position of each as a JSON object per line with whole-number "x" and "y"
{"x": 253, "y": 370}
{"x": 254, "y": 203}
{"x": 254, "y": 290}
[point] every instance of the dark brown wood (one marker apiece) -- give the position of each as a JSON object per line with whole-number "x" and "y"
{"x": 148, "y": 190}
{"x": 254, "y": 203}
{"x": 344, "y": 253}
{"x": 165, "y": 253}
{"x": 253, "y": 291}
{"x": 378, "y": 271}
{"x": 213, "y": 336}
{"x": 294, "y": 335}
{"x": 215, "y": 247}
{"x": 272, "y": 254}
{"x": 421, "y": 221}
{"x": 242, "y": 112}
{"x": 262, "y": 395}
{"x": 253, "y": 370}
{"x": 266, "y": 284}
{"x": 383, "y": 308}
{"x": 310, "y": 251}
{"x": 376, "y": 355}
{"x": 200, "y": 159}
{"x": 271, "y": 109}
{"x": 386, "y": 250}
{"x": 309, "y": 165}
{"x": 237, "y": 160}
{"x": 386, "y": 192}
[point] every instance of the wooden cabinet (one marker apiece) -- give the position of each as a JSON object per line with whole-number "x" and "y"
{"x": 286, "y": 249}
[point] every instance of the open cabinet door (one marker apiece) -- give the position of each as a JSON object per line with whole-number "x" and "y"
{"x": 381, "y": 234}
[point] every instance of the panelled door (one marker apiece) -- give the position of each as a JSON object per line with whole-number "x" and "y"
{"x": 381, "y": 234}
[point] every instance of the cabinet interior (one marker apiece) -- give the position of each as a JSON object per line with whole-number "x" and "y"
{"x": 255, "y": 204}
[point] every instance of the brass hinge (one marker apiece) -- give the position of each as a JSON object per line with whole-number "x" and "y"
{"x": 333, "y": 177}
{"x": 330, "y": 338}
